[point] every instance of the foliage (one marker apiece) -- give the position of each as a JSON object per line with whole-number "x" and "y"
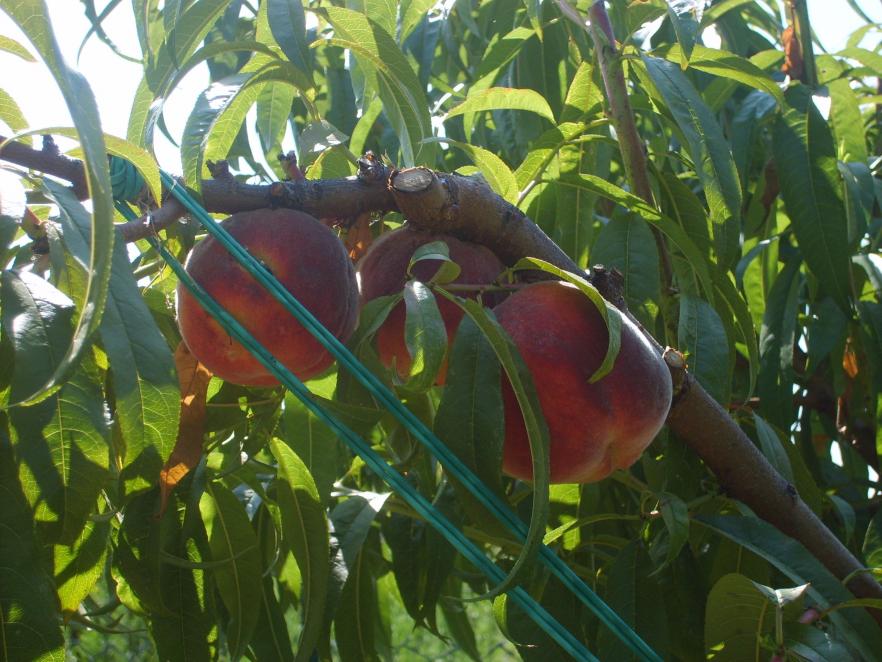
{"x": 767, "y": 199}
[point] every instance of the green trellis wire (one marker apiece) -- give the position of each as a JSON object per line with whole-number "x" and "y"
{"x": 453, "y": 464}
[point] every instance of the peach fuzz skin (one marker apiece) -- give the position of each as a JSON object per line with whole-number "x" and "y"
{"x": 383, "y": 271}
{"x": 310, "y": 262}
{"x": 593, "y": 428}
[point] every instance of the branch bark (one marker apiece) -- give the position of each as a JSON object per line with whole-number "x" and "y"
{"x": 466, "y": 207}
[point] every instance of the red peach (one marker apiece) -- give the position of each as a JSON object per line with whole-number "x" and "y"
{"x": 310, "y": 262}
{"x": 593, "y": 428}
{"x": 383, "y": 271}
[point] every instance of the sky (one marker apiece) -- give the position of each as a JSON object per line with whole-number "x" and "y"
{"x": 114, "y": 80}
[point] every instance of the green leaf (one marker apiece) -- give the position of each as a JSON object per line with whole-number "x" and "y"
{"x": 63, "y": 455}
{"x": 10, "y": 45}
{"x": 78, "y": 566}
{"x": 671, "y": 229}
{"x": 542, "y": 152}
{"x": 273, "y": 110}
{"x": 744, "y": 322}
{"x": 314, "y": 442}
{"x": 675, "y": 514}
{"x": 737, "y": 617}
{"x": 612, "y": 318}
{"x": 772, "y": 448}
{"x": 29, "y": 624}
{"x": 707, "y": 144}
{"x": 537, "y": 431}
{"x": 638, "y": 599}
{"x": 503, "y": 98}
{"x": 727, "y": 65}
{"x": 32, "y": 17}
{"x": 182, "y": 623}
{"x": 490, "y": 167}
{"x": 845, "y": 117}
{"x": 872, "y": 545}
{"x": 810, "y": 186}
{"x": 796, "y": 563}
{"x": 435, "y": 251}
{"x": 470, "y": 416}
{"x": 270, "y": 641}
{"x": 627, "y": 244}
{"x": 584, "y": 97}
{"x": 210, "y": 107}
{"x": 144, "y": 380}
{"x": 870, "y": 59}
{"x": 388, "y": 72}
{"x": 10, "y": 113}
{"x": 36, "y": 318}
{"x": 424, "y": 335}
{"x": 305, "y": 531}
{"x": 685, "y": 16}
{"x": 702, "y": 336}
{"x": 231, "y": 537}
{"x": 499, "y": 52}
{"x": 288, "y": 24}
{"x": 355, "y": 624}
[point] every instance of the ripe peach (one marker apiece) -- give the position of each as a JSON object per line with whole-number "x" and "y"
{"x": 312, "y": 264}
{"x": 593, "y": 428}
{"x": 383, "y": 271}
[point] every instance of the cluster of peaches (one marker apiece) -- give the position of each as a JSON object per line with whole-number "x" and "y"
{"x": 594, "y": 428}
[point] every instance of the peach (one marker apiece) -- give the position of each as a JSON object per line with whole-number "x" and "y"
{"x": 383, "y": 271}
{"x": 310, "y": 262}
{"x": 593, "y": 428}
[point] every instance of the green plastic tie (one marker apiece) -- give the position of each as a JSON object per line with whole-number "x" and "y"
{"x": 385, "y": 396}
{"x": 373, "y": 460}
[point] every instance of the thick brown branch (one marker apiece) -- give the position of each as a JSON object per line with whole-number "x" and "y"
{"x": 47, "y": 160}
{"x": 745, "y": 474}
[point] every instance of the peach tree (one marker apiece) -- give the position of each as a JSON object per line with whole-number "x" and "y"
{"x": 641, "y": 251}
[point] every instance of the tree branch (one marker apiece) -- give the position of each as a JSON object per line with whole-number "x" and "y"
{"x": 466, "y": 207}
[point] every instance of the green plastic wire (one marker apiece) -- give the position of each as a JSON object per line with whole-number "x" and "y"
{"x": 453, "y": 464}
{"x": 379, "y": 390}
{"x": 373, "y": 460}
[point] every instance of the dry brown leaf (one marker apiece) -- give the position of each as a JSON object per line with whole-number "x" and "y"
{"x": 850, "y": 360}
{"x": 359, "y": 237}
{"x": 793, "y": 65}
{"x": 193, "y": 378}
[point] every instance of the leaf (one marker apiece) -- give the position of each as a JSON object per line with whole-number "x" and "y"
{"x": 10, "y": 45}
{"x": 627, "y": 244}
{"x": 63, "y": 455}
{"x": 806, "y": 164}
{"x": 355, "y": 623}
{"x": 29, "y": 626}
{"x": 521, "y": 382}
{"x": 542, "y": 152}
{"x": 143, "y": 372}
{"x": 772, "y": 448}
{"x": 10, "y": 113}
{"x": 870, "y": 59}
{"x": 685, "y": 16}
{"x": 270, "y": 641}
{"x": 611, "y": 316}
{"x": 737, "y": 617}
{"x": 499, "y": 52}
{"x": 638, "y": 600}
{"x": 470, "y": 415}
{"x": 707, "y": 144}
{"x": 182, "y": 623}
{"x": 675, "y": 514}
{"x": 273, "y": 110}
{"x": 388, "y": 72}
{"x": 490, "y": 166}
{"x": 32, "y": 17}
{"x": 727, "y": 65}
{"x": 77, "y": 567}
{"x": 424, "y": 334}
{"x": 668, "y": 227}
{"x": 314, "y": 442}
{"x": 288, "y": 24}
{"x": 37, "y": 319}
{"x": 230, "y": 537}
{"x": 503, "y": 98}
{"x": 845, "y": 117}
{"x": 872, "y": 545}
{"x": 796, "y": 563}
{"x": 305, "y": 531}
{"x": 701, "y": 335}
{"x": 193, "y": 379}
